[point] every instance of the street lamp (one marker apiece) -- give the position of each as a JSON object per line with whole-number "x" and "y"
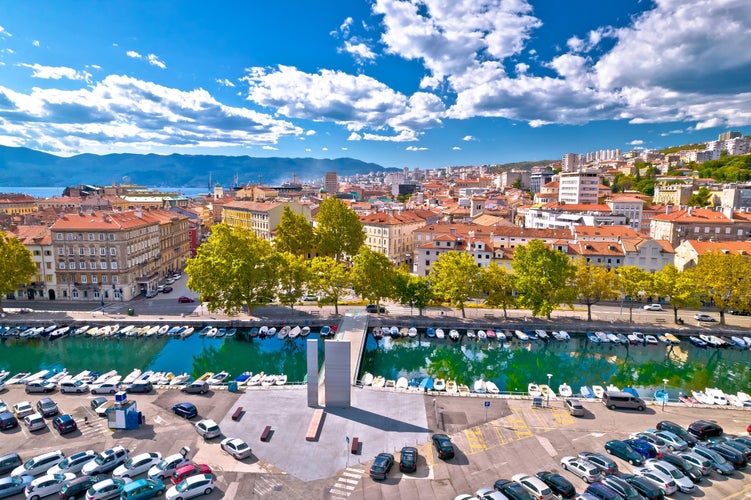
{"x": 550, "y": 375}
{"x": 664, "y": 393}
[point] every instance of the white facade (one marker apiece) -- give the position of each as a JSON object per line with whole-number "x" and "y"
{"x": 578, "y": 188}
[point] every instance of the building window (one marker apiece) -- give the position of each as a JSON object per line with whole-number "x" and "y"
{"x": 92, "y": 265}
{"x": 61, "y": 251}
{"x": 81, "y": 251}
{"x": 427, "y": 262}
{"x": 62, "y": 265}
{"x": 91, "y": 236}
{"x": 93, "y": 278}
{"x": 113, "y": 265}
{"x": 102, "y": 251}
{"x": 113, "y": 251}
{"x": 103, "y": 265}
{"x": 84, "y": 279}
{"x": 92, "y": 251}
{"x": 104, "y": 278}
{"x": 75, "y": 294}
{"x": 59, "y": 236}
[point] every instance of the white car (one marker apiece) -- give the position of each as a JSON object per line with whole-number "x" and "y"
{"x": 3, "y": 406}
{"x": 681, "y": 480}
{"x": 487, "y": 494}
{"x": 35, "y": 422}
{"x": 73, "y": 463}
{"x": 193, "y": 486}
{"x": 104, "y": 490}
{"x": 167, "y": 466}
{"x": 39, "y": 464}
{"x": 208, "y": 429}
{"x": 585, "y": 470}
{"x": 137, "y": 465}
{"x": 73, "y": 386}
{"x": 704, "y": 317}
{"x": 653, "y": 307}
{"x": 236, "y": 447}
{"x": 105, "y": 388}
{"x": 22, "y": 409}
{"x": 662, "y": 480}
{"x": 535, "y": 486}
{"x": 49, "y": 484}
{"x": 106, "y": 461}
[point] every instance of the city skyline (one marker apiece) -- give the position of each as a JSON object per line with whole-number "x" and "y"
{"x": 418, "y": 84}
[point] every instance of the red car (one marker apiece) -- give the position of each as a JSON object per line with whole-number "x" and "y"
{"x": 185, "y": 300}
{"x": 189, "y": 470}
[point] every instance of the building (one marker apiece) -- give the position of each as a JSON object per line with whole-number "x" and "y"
{"x": 571, "y": 162}
{"x": 260, "y": 217}
{"x": 511, "y": 177}
{"x": 673, "y": 194}
{"x": 630, "y": 206}
{"x": 391, "y": 234}
{"x": 539, "y": 179}
{"x": 331, "y": 182}
{"x": 17, "y": 204}
{"x": 726, "y": 136}
{"x": 678, "y": 224}
{"x": 688, "y": 253}
{"x": 579, "y": 188}
{"x": 38, "y": 241}
{"x": 561, "y": 216}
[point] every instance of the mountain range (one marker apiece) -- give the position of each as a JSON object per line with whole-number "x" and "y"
{"x": 26, "y": 167}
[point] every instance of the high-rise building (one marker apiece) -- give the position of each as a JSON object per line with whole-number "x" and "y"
{"x": 726, "y": 136}
{"x": 571, "y": 162}
{"x": 578, "y": 187}
{"x": 331, "y": 183}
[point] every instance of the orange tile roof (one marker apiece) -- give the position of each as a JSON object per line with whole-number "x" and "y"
{"x": 732, "y": 247}
{"x": 695, "y": 215}
{"x": 33, "y": 235}
{"x": 102, "y": 221}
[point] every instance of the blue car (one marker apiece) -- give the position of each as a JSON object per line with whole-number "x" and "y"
{"x": 641, "y": 447}
{"x": 10, "y": 486}
{"x": 185, "y": 410}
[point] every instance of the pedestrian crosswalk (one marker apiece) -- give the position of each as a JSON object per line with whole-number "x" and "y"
{"x": 265, "y": 484}
{"x": 346, "y": 483}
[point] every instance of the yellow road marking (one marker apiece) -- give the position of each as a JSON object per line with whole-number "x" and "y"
{"x": 476, "y": 440}
{"x": 497, "y": 429}
{"x": 563, "y": 417}
{"x": 519, "y": 425}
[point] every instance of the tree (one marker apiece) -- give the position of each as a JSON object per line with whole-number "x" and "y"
{"x": 702, "y": 198}
{"x": 681, "y": 287}
{"x": 339, "y": 232}
{"x": 593, "y": 283}
{"x": 456, "y": 278}
{"x": 413, "y": 290}
{"x": 499, "y": 287}
{"x": 233, "y": 269}
{"x": 542, "y": 278}
{"x": 720, "y": 283}
{"x": 293, "y": 273}
{"x": 373, "y": 276}
{"x": 294, "y": 234}
{"x": 16, "y": 265}
{"x": 328, "y": 279}
{"x": 634, "y": 284}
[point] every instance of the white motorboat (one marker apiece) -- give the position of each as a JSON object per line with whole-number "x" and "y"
{"x": 17, "y": 378}
{"x": 542, "y": 335}
{"x": 281, "y": 379}
{"x": 613, "y": 388}
{"x": 480, "y": 386}
{"x": 283, "y": 332}
{"x": 491, "y": 388}
{"x": 451, "y": 387}
{"x": 305, "y": 331}
{"x": 379, "y": 381}
{"x": 603, "y": 337}
{"x": 132, "y": 376}
{"x": 412, "y": 332}
{"x": 702, "y": 398}
{"x": 36, "y": 376}
{"x": 212, "y": 332}
{"x": 367, "y": 379}
{"x": 294, "y": 332}
{"x": 114, "y": 380}
{"x": 145, "y": 376}
{"x": 180, "y": 379}
{"x": 521, "y": 335}
{"x": 166, "y": 379}
{"x": 83, "y": 375}
{"x": 598, "y": 390}
{"x": 188, "y": 332}
{"x": 565, "y": 390}
{"x": 563, "y": 334}
{"x": 534, "y": 390}
{"x": 256, "y": 379}
{"x": 154, "y": 330}
{"x": 163, "y": 330}
{"x": 651, "y": 340}
{"x": 57, "y": 377}
{"x": 218, "y": 378}
{"x": 547, "y": 392}
{"x": 263, "y": 331}
{"x": 402, "y": 383}
{"x": 501, "y": 336}
{"x": 156, "y": 377}
{"x": 482, "y": 335}
{"x": 268, "y": 380}
{"x": 173, "y": 331}
{"x": 104, "y": 377}
{"x": 439, "y": 333}
{"x": 271, "y": 332}
{"x": 439, "y": 384}
{"x": 81, "y": 329}
{"x": 126, "y": 330}
{"x": 718, "y": 397}
{"x": 454, "y": 334}
{"x": 221, "y": 332}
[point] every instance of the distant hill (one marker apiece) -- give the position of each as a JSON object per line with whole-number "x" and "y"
{"x": 520, "y": 165}
{"x": 26, "y": 167}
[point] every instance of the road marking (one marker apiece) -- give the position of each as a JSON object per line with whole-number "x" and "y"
{"x": 159, "y": 420}
{"x": 476, "y": 440}
{"x": 350, "y": 481}
{"x": 545, "y": 443}
{"x": 265, "y": 485}
{"x": 543, "y": 425}
{"x": 349, "y": 474}
{"x": 519, "y": 425}
{"x": 346, "y": 483}
{"x": 563, "y": 417}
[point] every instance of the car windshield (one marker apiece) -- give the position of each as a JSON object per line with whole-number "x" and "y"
{"x": 182, "y": 486}
{"x": 100, "y": 459}
{"x": 161, "y": 465}
{"x": 29, "y": 463}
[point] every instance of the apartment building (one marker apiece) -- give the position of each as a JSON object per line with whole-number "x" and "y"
{"x": 390, "y": 233}
{"x": 629, "y": 206}
{"x": 688, "y": 253}
{"x": 678, "y": 224}
{"x": 17, "y": 204}
{"x": 38, "y": 241}
{"x": 260, "y": 217}
{"x": 578, "y": 188}
{"x": 560, "y": 216}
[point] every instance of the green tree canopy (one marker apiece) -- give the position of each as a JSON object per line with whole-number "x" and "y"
{"x": 681, "y": 287}
{"x": 635, "y": 283}
{"x": 702, "y": 198}
{"x": 542, "y": 277}
{"x": 16, "y": 265}
{"x": 413, "y": 290}
{"x": 294, "y": 234}
{"x": 339, "y": 231}
{"x": 499, "y": 287}
{"x": 720, "y": 279}
{"x": 234, "y": 268}
{"x": 294, "y": 274}
{"x": 593, "y": 283}
{"x": 456, "y": 278}
{"x": 373, "y": 275}
{"x": 329, "y": 279}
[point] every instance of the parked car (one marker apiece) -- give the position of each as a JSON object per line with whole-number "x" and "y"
{"x": 47, "y": 485}
{"x": 64, "y": 424}
{"x": 105, "y": 388}
{"x": 76, "y": 488}
{"x": 34, "y": 422}
{"x": 97, "y": 402}
{"x": 484, "y": 494}
{"x": 185, "y": 410}
{"x": 106, "y": 461}
{"x": 645, "y": 487}
{"x": 10, "y": 486}
{"x": 73, "y": 386}
{"x": 408, "y": 459}
{"x": 703, "y": 430}
{"x": 37, "y": 386}
{"x": 606, "y": 465}
{"x": 47, "y": 407}
{"x": 200, "y": 387}
{"x": 603, "y": 491}
{"x": 574, "y": 407}
{"x": 236, "y": 447}
{"x": 653, "y": 307}
{"x": 736, "y": 458}
{"x": 189, "y": 470}
{"x": 667, "y": 425}
{"x": 673, "y": 441}
{"x": 185, "y": 300}
{"x": 143, "y": 489}
{"x": 624, "y": 451}
{"x": 535, "y": 486}
{"x": 687, "y": 468}
{"x": 586, "y": 470}
{"x": 642, "y": 447}
{"x": 681, "y": 480}
{"x": 372, "y": 308}
{"x": 208, "y": 429}
{"x": 106, "y": 489}
{"x": 512, "y": 490}
{"x": 167, "y": 466}
{"x": 151, "y": 294}
{"x": 704, "y": 465}
{"x": 719, "y": 464}
{"x": 167, "y": 289}
{"x": 557, "y": 483}
{"x": 38, "y": 465}
{"x": 73, "y": 463}
{"x": 22, "y": 408}
{"x": 662, "y": 480}
{"x": 139, "y": 387}
{"x": 737, "y": 445}
{"x": 443, "y": 446}
{"x": 624, "y": 489}
{"x": 200, "y": 484}
{"x": 381, "y": 466}
{"x": 9, "y": 462}
{"x": 140, "y": 464}
{"x": 659, "y": 445}
{"x": 7, "y": 421}
{"x": 704, "y": 317}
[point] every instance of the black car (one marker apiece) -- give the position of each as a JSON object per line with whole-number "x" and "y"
{"x": 690, "y": 470}
{"x": 442, "y": 445}
{"x": 735, "y": 457}
{"x": 408, "y": 459}
{"x": 97, "y": 402}
{"x": 559, "y": 484}
{"x": 738, "y": 445}
{"x": 606, "y": 465}
{"x": 167, "y": 289}
{"x": 381, "y": 466}
{"x": 513, "y": 490}
{"x": 185, "y": 410}
{"x": 645, "y": 487}
{"x": 623, "y": 451}
{"x": 667, "y": 425}
{"x": 46, "y": 407}
{"x": 9, "y": 462}
{"x": 7, "y": 420}
{"x": 372, "y": 308}
{"x": 704, "y": 430}
{"x": 142, "y": 387}
{"x": 620, "y": 485}
{"x": 76, "y": 487}
{"x": 603, "y": 492}
{"x": 64, "y": 424}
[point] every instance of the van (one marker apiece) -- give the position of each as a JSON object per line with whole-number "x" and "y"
{"x": 620, "y": 399}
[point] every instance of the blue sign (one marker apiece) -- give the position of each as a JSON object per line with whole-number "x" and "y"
{"x": 347, "y": 438}
{"x": 487, "y": 404}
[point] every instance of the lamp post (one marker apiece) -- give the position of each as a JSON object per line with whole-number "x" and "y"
{"x": 550, "y": 375}
{"x": 664, "y": 394}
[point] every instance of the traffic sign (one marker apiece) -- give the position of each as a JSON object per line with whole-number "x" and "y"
{"x": 487, "y": 404}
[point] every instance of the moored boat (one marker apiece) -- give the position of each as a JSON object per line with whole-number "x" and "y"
{"x": 533, "y": 389}
{"x": 412, "y": 332}
{"x": 283, "y": 332}
{"x": 439, "y": 334}
{"x": 221, "y": 332}
{"x": 212, "y": 332}
{"x": 430, "y": 332}
{"x": 598, "y": 391}
{"x": 305, "y": 331}
{"x": 367, "y": 379}
{"x": 268, "y": 380}
{"x": 402, "y": 383}
{"x": 281, "y": 379}
{"x": 17, "y": 378}
{"x": 463, "y": 389}
{"x": 480, "y": 386}
{"x": 565, "y": 390}
{"x": 218, "y": 378}
{"x": 204, "y": 331}
{"x": 482, "y": 335}
{"x": 547, "y": 392}
{"x": 81, "y": 329}
{"x": 451, "y": 387}
{"x": 294, "y": 332}
{"x": 255, "y": 332}
{"x": 231, "y": 333}
{"x": 696, "y": 341}
{"x": 586, "y": 392}
{"x": 379, "y": 381}
{"x": 180, "y": 379}
{"x": 613, "y": 388}
{"x": 491, "y": 387}
{"x": 439, "y": 384}
{"x": 454, "y": 335}
{"x": 187, "y": 332}
{"x": 256, "y": 379}
{"x": 521, "y": 335}
{"x": 651, "y": 340}
{"x": 162, "y": 330}
{"x": 205, "y": 377}
{"x": 132, "y": 376}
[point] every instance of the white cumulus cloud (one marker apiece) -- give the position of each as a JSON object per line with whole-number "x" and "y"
{"x": 54, "y": 72}
{"x": 133, "y": 54}
{"x": 155, "y": 61}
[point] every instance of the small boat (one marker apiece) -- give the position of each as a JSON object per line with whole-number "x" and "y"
{"x": 463, "y": 389}
{"x": 430, "y": 332}
{"x": 672, "y": 338}
{"x": 403, "y": 331}
{"x": 243, "y": 378}
{"x": 212, "y": 332}
{"x": 188, "y": 332}
{"x": 662, "y": 338}
{"x": 205, "y": 377}
{"x": 547, "y": 392}
{"x": 533, "y": 389}
{"x": 482, "y": 335}
{"x": 144, "y": 329}
{"x": 631, "y": 391}
{"x": 254, "y": 332}
{"x": 204, "y": 331}
{"x": 412, "y": 332}
{"x": 305, "y": 331}
{"x": 439, "y": 334}
{"x": 377, "y": 332}
{"x": 622, "y": 338}
{"x": 218, "y": 378}
{"x": 613, "y": 388}
{"x": 521, "y": 335}
{"x": 490, "y": 333}
{"x": 651, "y": 340}
{"x": 718, "y": 397}
{"x": 294, "y": 332}
{"x": 565, "y": 390}
{"x": 593, "y": 338}
{"x": 532, "y": 335}
{"x": 125, "y": 330}
{"x": 402, "y": 383}
{"x": 661, "y": 396}
{"x": 542, "y": 335}
{"x": 604, "y": 339}
{"x": 738, "y": 342}
{"x": 281, "y": 379}
{"x": 564, "y": 335}
{"x": 263, "y": 331}
{"x": 17, "y": 378}
{"x": 639, "y": 337}
{"x": 162, "y": 330}
{"x": 283, "y": 332}
{"x": 633, "y": 339}
{"x": 145, "y": 376}
{"x": 598, "y": 391}
{"x": 491, "y": 387}
{"x": 231, "y": 333}
{"x": 155, "y": 377}
{"x": 451, "y": 387}
{"x": 471, "y": 334}
{"x": 501, "y": 336}
{"x": 696, "y": 341}
{"x": 114, "y": 380}
{"x": 48, "y": 329}
{"x": 586, "y": 392}
{"x": 439, "y": 384}
{"x": 271, "y": 332}
{"x": 612, "y": 337}
{"x": 132, "y": 376}
{"x": 379, "y": 381}
{"x": 81, "y": 329}
{"x": 221, "y": 332}
{"x": 59, "y": 333}
{"x": 390, "y": 384}
{"x": 426, "y": 384}
{"x": 180, "y": 379}
{"x": 154, "y": 330}
{"x": 702, "y": 398}
{"x": 166, "y": 379}
{"x": 480, "y": 386}
{"x": 687, "y": 399}
{"x": 256, "y": 379}
{"x": 454, "y": 335}
{"x": 268, "y": 380}
{"x": 367, "y": 379}
{"x": 83, "y": 376}
{"x": 37, "y": 376}
{"x": 105, "y": 376}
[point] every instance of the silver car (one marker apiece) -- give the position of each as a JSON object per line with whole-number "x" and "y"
{"x": 585, "y": 470}
{"x": 681, "y": 480}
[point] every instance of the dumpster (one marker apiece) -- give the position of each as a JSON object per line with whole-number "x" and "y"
{"x": 131, "y": 312}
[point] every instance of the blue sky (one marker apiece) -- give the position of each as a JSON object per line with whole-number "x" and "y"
{"x": 403, "y": 83}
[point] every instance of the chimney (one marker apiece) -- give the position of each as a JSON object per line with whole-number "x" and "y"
{"x": 668, "y": 209}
